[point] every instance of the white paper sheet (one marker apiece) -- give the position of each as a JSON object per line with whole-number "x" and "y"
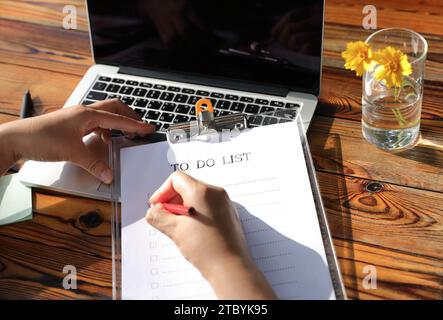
{"x": 271, "y": 189}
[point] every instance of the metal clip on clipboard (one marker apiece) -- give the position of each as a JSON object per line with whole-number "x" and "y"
{"x": 207, "y": 125}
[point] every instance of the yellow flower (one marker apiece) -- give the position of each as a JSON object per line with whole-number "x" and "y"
{"x": 358, "y": 57}
{"x": 393, "y": 66}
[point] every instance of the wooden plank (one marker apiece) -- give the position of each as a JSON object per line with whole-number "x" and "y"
{"x": 338, "y": 146}
{"x": 387, "y": 217}
{"x": 44, "y": 47}
{"x": 40, "y": 40}
{"x": 65, "y": 230}
{"x": 73, "y": 42}
{"x": 6, "y": 118}
{"x": 396, "y": 229}
{"x": 421, "y": 16}
{"x": 49, "y": 89}
{"x": 48, "y": 13}
{"x": 399, "y": 275}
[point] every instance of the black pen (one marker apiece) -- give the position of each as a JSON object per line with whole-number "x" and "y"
{"x": 27, "y": 106}
{"x": 25, "y": 112}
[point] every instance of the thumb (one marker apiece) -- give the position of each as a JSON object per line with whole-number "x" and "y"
{"x": 94, "y": 165}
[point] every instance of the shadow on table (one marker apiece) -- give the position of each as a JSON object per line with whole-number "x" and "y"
{"x": 328, "y": 148}
{"x": 428, "y": 150}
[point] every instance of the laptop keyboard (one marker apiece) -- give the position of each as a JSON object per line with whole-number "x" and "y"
{"x": 163, "y": 105}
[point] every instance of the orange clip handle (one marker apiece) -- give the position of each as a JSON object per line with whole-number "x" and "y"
{"x": 199, "y": 106}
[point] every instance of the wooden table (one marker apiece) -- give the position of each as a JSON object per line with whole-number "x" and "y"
{"x": 384, "y": 210}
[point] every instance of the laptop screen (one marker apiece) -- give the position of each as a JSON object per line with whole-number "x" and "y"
{"x": 269, "y": 42}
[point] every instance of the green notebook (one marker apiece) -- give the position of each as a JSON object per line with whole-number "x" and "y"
{"x": 15, "y": 200}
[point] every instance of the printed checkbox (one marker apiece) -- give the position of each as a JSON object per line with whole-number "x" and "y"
{"x": 153, "y": 258}
{"x": 154, "y": 285}
{"x": 152, "y": 245}
{"x": 154, "y": 271}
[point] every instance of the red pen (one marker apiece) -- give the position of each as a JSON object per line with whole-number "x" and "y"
{"x": 178, "y": 209}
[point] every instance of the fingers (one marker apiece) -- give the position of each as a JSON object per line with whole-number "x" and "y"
{"x": 178, "y": 184}
{"x": 94, "y": 165}
{"x": 114, "y": 114}
{"x": 105, "y": 135}
{"x": 106, "y": 120}
{"x": 161, "y": 219}
{"x": 115, "y": 106}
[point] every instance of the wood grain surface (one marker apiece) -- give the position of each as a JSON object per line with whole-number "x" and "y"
{"x": 384, "y": 210}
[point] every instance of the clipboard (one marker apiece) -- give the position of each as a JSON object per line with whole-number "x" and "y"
{"x": 209, "y": 128}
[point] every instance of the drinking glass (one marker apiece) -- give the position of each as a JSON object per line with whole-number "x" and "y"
{"x": 391, "y": 116}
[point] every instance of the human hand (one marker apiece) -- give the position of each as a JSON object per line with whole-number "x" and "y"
{"x": 211, "y": 238}
{"x": 58, "y": 136}
{"x": 212, "y": 235}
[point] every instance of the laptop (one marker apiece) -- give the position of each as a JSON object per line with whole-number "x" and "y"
{"x": 161, "y": 56}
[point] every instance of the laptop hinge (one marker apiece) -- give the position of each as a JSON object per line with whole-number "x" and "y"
{"x": 221, "y": 83}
